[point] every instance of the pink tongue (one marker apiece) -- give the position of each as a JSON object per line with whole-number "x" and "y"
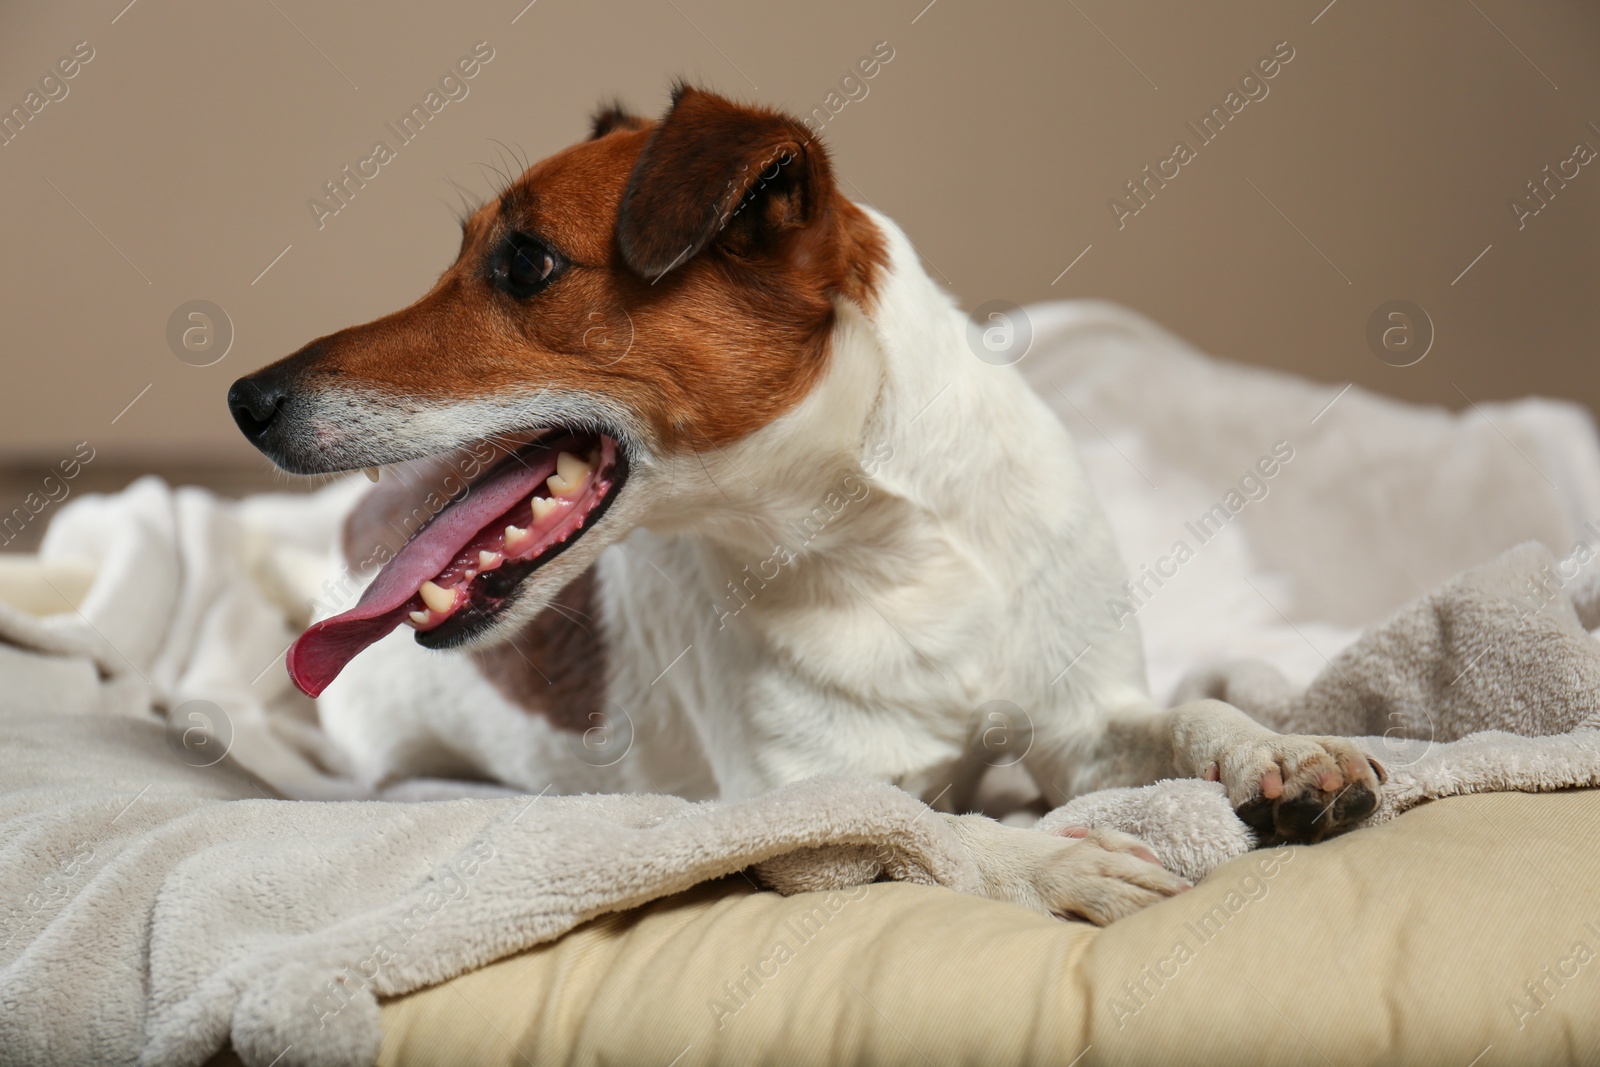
{"x": 317, "y": 657}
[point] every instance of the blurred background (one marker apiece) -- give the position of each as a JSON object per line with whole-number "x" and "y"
{"x": 165, "y": 159}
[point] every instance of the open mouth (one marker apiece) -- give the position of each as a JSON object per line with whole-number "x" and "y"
{"x": 461, "y": 568}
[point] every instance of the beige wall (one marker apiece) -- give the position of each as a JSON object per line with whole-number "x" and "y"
{"x": 1381, "y": 162}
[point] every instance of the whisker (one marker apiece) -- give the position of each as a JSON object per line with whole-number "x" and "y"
{"x": 522, "y": 161}
{"x": 499, "y": 182}
{"x": 567, "y": 614}
{"x": 468, "y": 207}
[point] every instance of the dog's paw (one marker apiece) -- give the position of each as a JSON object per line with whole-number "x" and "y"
{"x": 1103, "y": 876}
{"x": 1097, "y": 875}
{"x": 1293, "y": 788}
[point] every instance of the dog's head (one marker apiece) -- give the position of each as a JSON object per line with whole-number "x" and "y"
{"x": 658, "y": 290}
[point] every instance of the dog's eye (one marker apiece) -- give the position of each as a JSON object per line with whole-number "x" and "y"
{"x": 525, "y": 266}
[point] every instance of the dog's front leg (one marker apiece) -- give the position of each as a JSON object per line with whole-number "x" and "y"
{"x": 1098, "y": 875}
{"x": 1288, "y": 787}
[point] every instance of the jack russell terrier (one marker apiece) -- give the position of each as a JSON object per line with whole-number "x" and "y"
{"x": 689, "y": 456}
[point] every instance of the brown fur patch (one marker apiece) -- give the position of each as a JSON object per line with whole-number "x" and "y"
{"x": 723, "y": 343}
{"x": 555, "y": 666}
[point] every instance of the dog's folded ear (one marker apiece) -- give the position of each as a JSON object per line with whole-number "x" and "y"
{"x": 717, "y": 172}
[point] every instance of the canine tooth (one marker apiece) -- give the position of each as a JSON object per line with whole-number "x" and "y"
{"x": 543, "y": 506}
{"x": 569, "y": 475}
{"x": 487, "y": 559}
{"x": 371, "y": 473}
{"x": 421, "y": 617}
{"x": 571, "y": 467}
{"x": 437, "y": 597}
{"x": 516, "y": 539}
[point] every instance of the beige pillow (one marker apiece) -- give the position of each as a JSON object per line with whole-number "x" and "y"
{"x": 1463, "y": 933}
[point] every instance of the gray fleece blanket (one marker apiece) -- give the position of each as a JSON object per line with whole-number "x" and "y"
{"x": 160, "y": 898}
{"x": 161, "y": 906}
{"x": 1490, "y": 683}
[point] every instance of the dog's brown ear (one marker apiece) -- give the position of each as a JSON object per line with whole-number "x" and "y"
{"x": 718, "y": 172}
{"x": 614, "y": 116}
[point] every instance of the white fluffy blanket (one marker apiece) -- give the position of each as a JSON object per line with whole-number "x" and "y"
{"x": 158, "y": 897}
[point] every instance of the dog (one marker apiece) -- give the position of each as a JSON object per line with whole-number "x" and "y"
{"x": 691, "y": 466}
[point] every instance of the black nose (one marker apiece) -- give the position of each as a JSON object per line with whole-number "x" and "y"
{"x": 255, "y": 401}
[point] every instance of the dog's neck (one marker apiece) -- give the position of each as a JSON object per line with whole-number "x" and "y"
{"x": 912, "y": 466}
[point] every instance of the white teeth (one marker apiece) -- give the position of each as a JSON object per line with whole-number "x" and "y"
{"x": 571, "y": 467}
{"x": 437, "y": 597}
{"x": 569, "y": 475}
{"x": 487, "y": 559}
{"x": 371, "y": 473}
{"x": 421, "y": 617}
{"x": 516, "y": 539}
{"x": 543, "y": 506}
